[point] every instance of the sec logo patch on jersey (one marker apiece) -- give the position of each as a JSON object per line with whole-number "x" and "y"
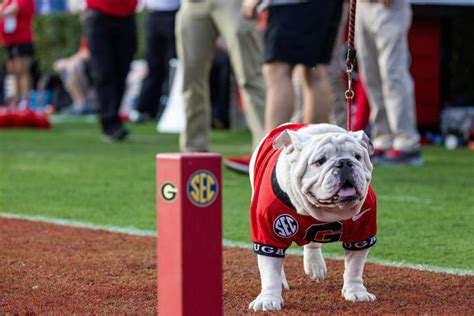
{"x": 202, "y": 188}
{"x": 285, "y": 226}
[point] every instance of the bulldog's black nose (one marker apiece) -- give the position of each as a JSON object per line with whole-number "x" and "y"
{"x": 344, "y": 163}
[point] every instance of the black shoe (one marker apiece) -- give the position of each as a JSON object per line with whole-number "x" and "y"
{"x": 115, "y": 136}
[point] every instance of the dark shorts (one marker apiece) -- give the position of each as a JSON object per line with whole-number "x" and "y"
{"x": 302, "y": 33}
{"x": 20, "y": 50}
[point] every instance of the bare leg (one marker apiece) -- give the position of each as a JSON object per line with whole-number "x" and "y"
{"x": 297, "y": 75}
{"x": 280, "y": 94}
{"x": 74, "y": 84}
{"x": 24, "y": 64}
{"x": 316, "y": 94}
{"x": 12, "y": 70}
{"x": 75, "y": 92}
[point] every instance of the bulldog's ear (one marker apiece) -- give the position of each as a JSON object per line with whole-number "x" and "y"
{"x": 364, "y": 140}
{"x": 289, "y": 137}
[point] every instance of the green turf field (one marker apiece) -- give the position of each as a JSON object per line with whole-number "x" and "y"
{"x": 425, "y": 214}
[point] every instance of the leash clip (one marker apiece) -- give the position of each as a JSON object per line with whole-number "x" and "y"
{"x": 350, "y": 65}
{"x": 349, "y": 94}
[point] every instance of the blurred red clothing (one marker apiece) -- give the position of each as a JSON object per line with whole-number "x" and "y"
{"x": 120, "y": 8}
{"x": 362, "y": 110}
{"x": 22, "y": 33}
{"x": 262, "y": 20}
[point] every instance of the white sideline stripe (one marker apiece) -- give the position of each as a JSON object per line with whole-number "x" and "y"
{"x": 227, "y": 243}
{"x": 65, "y": 222}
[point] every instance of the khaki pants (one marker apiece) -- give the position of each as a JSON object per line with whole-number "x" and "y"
{"x": 383, "y": 57}
{"x": 338, "y": 113}
{"x": 199, "y": 22}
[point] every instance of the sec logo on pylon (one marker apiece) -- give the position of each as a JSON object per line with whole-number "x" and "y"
{"x": 202, "y": 188}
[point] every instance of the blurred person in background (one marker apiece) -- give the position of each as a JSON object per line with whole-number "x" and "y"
{"x": 362, "y": 107}
{"x": 16, "y": 17}
{"x": 316, "y": 93}
{"x": 220, "y": 81}
{"x": 198, "y": 25}
{"x": 336, "y": 71}
{"x": 383, "y": 57}
{"x": 299, "y": 32}
{"x": 111, "y": 34}
{"x": 74, "y": 73}
{"x": 160, "y": 48}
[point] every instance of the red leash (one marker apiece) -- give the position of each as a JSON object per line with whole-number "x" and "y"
{"x": 350, "y": 61}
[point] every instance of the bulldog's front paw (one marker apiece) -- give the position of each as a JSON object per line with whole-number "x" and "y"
{"x": 314, "y": 264}
{"x": 267, "y": 301}
{"x": 358, "y": 294}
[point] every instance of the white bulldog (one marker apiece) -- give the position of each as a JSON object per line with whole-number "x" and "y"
{"x": 310, "y": 185}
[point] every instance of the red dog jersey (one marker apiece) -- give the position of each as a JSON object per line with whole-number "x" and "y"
{"x": 275, "y": 224}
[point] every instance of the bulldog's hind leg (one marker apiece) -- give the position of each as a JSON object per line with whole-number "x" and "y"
{"x": 314, "y": 264}
{"x": 354, "y": 289}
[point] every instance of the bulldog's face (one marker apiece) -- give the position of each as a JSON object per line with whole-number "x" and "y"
{"x": 330, "y": 169}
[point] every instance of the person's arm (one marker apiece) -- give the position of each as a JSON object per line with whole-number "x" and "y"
{"x": 84, "y": 54}
{"x": 249, "y": 8}
{"x": 386, "y": 3}
{"x": 10, "y": 10}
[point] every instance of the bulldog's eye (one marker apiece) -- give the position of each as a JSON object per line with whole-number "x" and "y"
{"x": 358, "y": 157}
{"x": 320, "y": 161}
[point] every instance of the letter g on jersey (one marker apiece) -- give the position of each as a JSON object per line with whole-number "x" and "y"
{"x": 285, "y": 226}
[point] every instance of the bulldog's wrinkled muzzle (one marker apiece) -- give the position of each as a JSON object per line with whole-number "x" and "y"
{"x": 345, "y": 167}
{"x": 345, "y": 172}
